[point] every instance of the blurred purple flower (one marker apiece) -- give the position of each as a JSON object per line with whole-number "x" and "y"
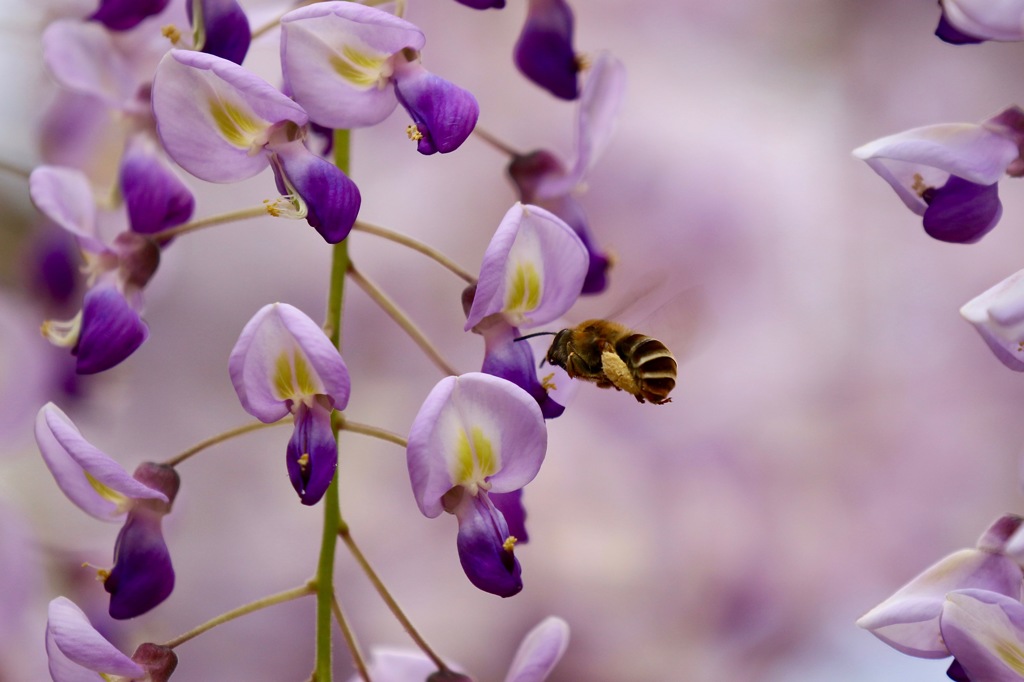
{"x": 224, "y": 124}
{"x": 121, "y": 15}
{"x": 221, "y": 29}
{"x": 543, "y": 179}
{"x": 985, "y": 633}
{"x": 947, "y": 173}
{"x": 476, "y": 434}
{"x": 483, "y": 4}
{"x": 282, "y": 364}
{"x": 349, "y": 65}
{"x": 909, "y": 620}
{"x": 544, "y": 52}
{"x": 974, "y": 21}
{"x": 998, "y": 315}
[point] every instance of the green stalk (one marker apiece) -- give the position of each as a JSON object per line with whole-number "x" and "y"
{"x": 332, "y": 505}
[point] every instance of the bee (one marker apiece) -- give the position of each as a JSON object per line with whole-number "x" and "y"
{"x": 610, "y": 354}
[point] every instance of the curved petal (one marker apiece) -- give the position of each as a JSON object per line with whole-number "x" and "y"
{"x": 999, "y": 20}
{"x": 111, "y": 330}
{"x": 142, "y": 576}
{"x": 397, "y": 665}
{"x": 214, "y": 117}
{"x": 544, "y": 51}
{"x": 475, "y": 431}
{"x": 83, "y": 58}
{"x": 998, "y": 315}
{"x": 962, "y": 212}
{"x": 312, "y": 454}
{"x": 948, "y": 33}
{"x": 511, "y": 507}
{"x": 532, "y": 271}
{"x": 283, "y": 357}
{"x": 154, "y": 195}
{"x": 76, "y": 651}
{"x": 330, "y": 198}
{"x": 336, "y": 59}
{"x": 97, "y": 485}
{"x": 513, "y": 360}
{"x": 223, "y": 30}
{"x": 985, "y": 632}
{"x": 483, "y": 4}
{"x": 64, "y": 195}
{"x": 540, "y": 651}
{"x": 444, "y": 114}
{"x": 121, "y": 15}
{"x": 486, "y": 548}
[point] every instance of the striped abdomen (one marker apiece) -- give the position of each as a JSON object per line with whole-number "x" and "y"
{"x": 652, "y": 365}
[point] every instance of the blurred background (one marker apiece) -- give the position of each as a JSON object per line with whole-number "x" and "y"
{"x": 837, "y": 426}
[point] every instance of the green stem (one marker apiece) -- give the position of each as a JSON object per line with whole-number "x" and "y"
{"x": 416, "y": 245}
{"x": 164, "y": 236}
{"x": 331, "y": 502}
{"x": 220, "y": 438}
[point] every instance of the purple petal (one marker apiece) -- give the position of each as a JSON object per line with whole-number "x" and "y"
{"x": 999, "y": 536}
{"x": 64, "y": 196}
{"x": 909, "y": 620}
{"x": 397, "y": 665}
{"x": 948, "y": 33}
{"x": 985, "y": 632}
{"x": 961, "y": 212}
{"x": 111, "y": 330}
{"x": 76, "y": 651}
{"x": 281, "y": 357}
{"x": 513, "y": 360}
{"x": 97, "y": 485}
{"x": 485, "y": 549}
{"x": 986, "y": 19}
{"x": 998, "y": 315}
{"x": 121, "y": 15}
{"x": 83, "y": 58}
{"x": 544, "y": 51}
{"x": 472, "y": 427}
{"x": 331, "y": 199}
{"x": 53, "y": 269}
{"x": 444, "y": 114}
{"x": 511, "y": 507}
{"x": 312, "y": 454}
{"x": 483, "y": 4}
{"x": 540, "y": 651}
{"x": 155, "y": 196}
{"x": 225, "y": 29}
{"x": 142, "y": 576}
{"x": 532, "y": 271}
{"x": 956, "y": 672}
{"x": 215, "y": 118}
{"x": 336, "y": 59}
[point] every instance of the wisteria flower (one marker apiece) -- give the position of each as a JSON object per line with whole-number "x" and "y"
{"x": 947, "y": 173}
{"x": 544, "y": 52}
{"x": 998, "y": 315}
{"x": 541, "y": 178}
{"x": 220, "y": 28}
{"x": 142, "y": 576}
{"x": 223, "y": 124}
{"x": 76, "y": 651}
{"x": 974, "y": 21}
{"x": 537, "y": 656}
{"x": 985, "y": 633}
{"x": 350, "y": 65}
{"x": 477, "y": 434}
{"x": 283, "y": 364}
{"x": 909, "y": 620}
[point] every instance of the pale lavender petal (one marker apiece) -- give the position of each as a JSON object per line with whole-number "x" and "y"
{"x": 540, "y": 651}
{"x": 985, "y": 632}
{"x": 64, "y": 195}
{"x": 1002, "y": 20}
{"x": 909, "y": 620}
{"x": 83, "y": 58}
{"x": 214, "y": 117}
{"x": 336, "y": 59}
{"x": 331, "y": 200}
{"x": 532, "y": 271}
{"x": 70, "y": 458}
{"x": 76, "y": 651}
{"x": 443, "y": 113}
{"x": 281, "y": 338}
{"x": 397, "y": 665}
{"x": 998, "y": 315}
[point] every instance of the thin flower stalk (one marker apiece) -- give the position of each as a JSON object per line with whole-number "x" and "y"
{"x": 219, "y": 438}
{"x": 344, "y": 424}
{"x": 416, "y": 245}
{"x": 165, "y": 236}
{"x": 358, "y": 660}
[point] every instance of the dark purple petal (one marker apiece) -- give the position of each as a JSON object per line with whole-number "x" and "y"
{"x": 961, "y": 212}
{"x": 159, "y": 661}
{"x": 482, "y": 4}
{"x": 513, "y": 360}
{"x": 511, "y": 507}
{"x": 544, "y": 51}
{"x": 111, "y": 331}
{"x": 948, "y": 33}
{"x": 485, "y": 549}
{"x": 312, "y": 454}
{"x": 121, "y": 15}
{"x": 956, "y": 672}
{"x": 332, "y": 200}
{"x": 154, "y": 195}
{"x": 53, "y": 263}
{"x": 226, "y": 31}
{"x": 444, "y": 113}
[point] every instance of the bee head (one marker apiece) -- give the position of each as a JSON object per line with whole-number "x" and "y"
{"x": 530, "y": 336}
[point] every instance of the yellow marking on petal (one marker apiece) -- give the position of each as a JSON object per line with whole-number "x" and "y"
{"x": 1011, "y": 655}
{"x": 524, "y": 291}
{"x": 304, "y": 375}
{"x": 104, "y": 491}
{"x": 361, "y": 69}
{"x": 474, "y": 457}
{"x": 413, "y": 132}
{"x": 234, "y": 124}
{"x": 283, "y": 383}
{"x": 464, "y": 459}
{"x": 510, "y": 543}
{"x": 486, "y": 461}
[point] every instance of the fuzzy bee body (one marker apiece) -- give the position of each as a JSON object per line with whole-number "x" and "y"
{"x": 612, "y": 355}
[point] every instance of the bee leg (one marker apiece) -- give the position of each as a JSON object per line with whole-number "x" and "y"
{"x": 618, "y": 373}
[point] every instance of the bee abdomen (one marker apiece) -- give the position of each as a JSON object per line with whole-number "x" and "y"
{"x": 653, "y": 366}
